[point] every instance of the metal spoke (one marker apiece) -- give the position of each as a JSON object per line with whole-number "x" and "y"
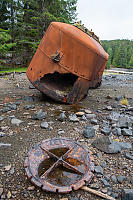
{"x": 58, "y": 162}
{"x": 69, "y": 166}
{"x": 65, "y": 155}
{"x": 49, "y": 153}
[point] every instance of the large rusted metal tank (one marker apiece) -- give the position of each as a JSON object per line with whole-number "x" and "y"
{"x": 67, "y": 63}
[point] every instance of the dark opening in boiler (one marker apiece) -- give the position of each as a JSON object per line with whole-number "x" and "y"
{"x": 60, "y": 83}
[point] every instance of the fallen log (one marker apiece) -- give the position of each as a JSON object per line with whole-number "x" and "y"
{"x": 98, "y": 193}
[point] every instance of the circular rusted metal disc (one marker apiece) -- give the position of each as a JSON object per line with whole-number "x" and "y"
{"x": 59, "y": 165}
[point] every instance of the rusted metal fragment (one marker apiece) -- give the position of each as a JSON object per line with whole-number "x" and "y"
{"x": 67, "y": 63}
{"x": 59, "y": 165}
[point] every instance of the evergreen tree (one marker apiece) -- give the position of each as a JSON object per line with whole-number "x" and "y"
{"x": 131, "y": 61}
{"x": 27, "y": 21}
{"x": 121, "y": 54}
{"x": 109, "y": 51}
{"x": 4, "y": 14}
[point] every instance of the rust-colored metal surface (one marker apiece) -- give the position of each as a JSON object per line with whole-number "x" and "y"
{"x": 67, "y": 63}
{"x": 59, "y": 165}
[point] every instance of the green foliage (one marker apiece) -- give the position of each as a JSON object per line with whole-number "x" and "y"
{"x": 120, "y": 53}
{"x": 4, "y": 14}
{"x": 5, "y": 42}
{"x": 131, "y": 61}
{"x": 24, "y": 22}
{"x": 4, "y": 36}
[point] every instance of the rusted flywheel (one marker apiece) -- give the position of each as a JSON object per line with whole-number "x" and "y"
{"x": 59, "y": 165}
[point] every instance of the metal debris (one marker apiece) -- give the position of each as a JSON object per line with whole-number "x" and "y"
{"x": 59, "y": 165}
{"x": 67, "y": 63}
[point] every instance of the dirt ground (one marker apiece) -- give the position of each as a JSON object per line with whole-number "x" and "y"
{"x": 13, "y": 180}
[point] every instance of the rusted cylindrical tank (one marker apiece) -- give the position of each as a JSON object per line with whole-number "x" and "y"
{"x": 67, "y": 63}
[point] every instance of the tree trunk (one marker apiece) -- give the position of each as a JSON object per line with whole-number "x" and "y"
{"x": 12, "y": 29}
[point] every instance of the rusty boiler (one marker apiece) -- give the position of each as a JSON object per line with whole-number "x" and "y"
{"x": 67, "y": 63}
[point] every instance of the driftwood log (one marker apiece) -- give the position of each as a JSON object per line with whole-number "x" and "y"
{"x": 100, "y": 194}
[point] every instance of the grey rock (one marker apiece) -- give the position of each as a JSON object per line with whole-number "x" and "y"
{"x": 75, "y": 198}
{"x": 60, "y": 132}
{"x": 127, "y": 194}
{"x": 117, "y": 131}
{"x": 31, "y": 87}
{"x": 106, "y": 77}
{"x": 31, "y": 188}
{"x": 99, "y": 111}
{"x": 1, "y": 118}
{"x": 118, "y": 98}
{"x": 83, "y": 118}
{"x": 109, "y": 191}
{"x": 11, "y": 117}
{"x": 1, "y": 191}
{"x": 114, "y": 179}
{"x": 127, "y": 132}
{"x": 125, "y": 145}
{"x": 2, "y": 134}
{"x": 94, "y": 121}
{"x": 44, "y": 125}
{"x": 106, "y": 183}
{"x": 48, "y": 104}
{"x": 106, "y": 130}
{"x": 39, "y": 115}
{"x": 12, "y": 106}
{"x": 29, "y": 99}
{"x": 114, "y": 117}
{"x": 129, "y": 109}
{"x": 107, "y": 177}
{"x": 77, "y": 130}
{"x": 12, "y": 171}
{"x": 128, "y": 156}
{"x": 99, "y": 155}
{"x": 3, "y": 196}
{"x": 73, "y": 118}
{"x": 88, "y": 111}
{"x": 51, "y": 128}
{"x": 6, "y": 109}
{"x": 62, "y": 117}
{"x": 17, "y": 103}
{"x": 59, "y": 107}
{"x": 103, "y": 164}
{"x": 115, "y": 195}
{"x": 124, "y": 122}
{"x": 16, "y": 121}
{"x": 108, "y": 145}
{"x": 80, "y": 113}
{"x": 96, "y": 127}
{"x": 5, "y": 145}
{"x": 109, "y": 108}
{"x": 89, "y": 132}
{"x": 105, "y": 123}
{"x": 99, "y": 175}
{"x": 114, "y": 76}
{"x": 4, "y": 128}
{"x": 27, "y": 107}
{"x": 94, "y": 186}
{"x": 98, "y": 170}
{"x": 90, "y": 116}
{"x": 121, "y": 178}
{"x": 104, "y": 190}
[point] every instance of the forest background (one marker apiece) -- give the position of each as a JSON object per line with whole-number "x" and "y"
{"x": 24, "y": 22}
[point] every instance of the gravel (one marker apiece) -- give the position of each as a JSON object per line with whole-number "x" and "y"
{"x": 112, "y": 156}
